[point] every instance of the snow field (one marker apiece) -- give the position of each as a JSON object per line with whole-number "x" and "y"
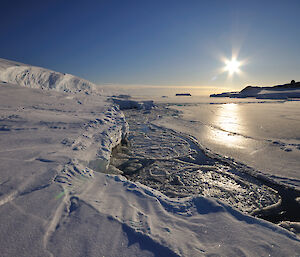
{"x": 52, "y": 145}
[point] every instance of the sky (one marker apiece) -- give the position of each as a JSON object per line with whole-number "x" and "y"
{"x": 180, "y": 43}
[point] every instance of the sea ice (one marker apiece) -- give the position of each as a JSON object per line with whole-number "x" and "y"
{"x": 53, "y": 204}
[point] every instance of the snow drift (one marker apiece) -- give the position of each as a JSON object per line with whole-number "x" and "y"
{"x": 36, "y": 77}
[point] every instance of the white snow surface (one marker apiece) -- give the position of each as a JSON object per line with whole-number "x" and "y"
{"x": 36, "y": 77}
{"x": 53, "y": 202}
{"x": 278, "y": 94}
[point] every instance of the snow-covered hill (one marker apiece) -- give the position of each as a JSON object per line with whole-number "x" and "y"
{"x": 36, "y": 77}
{"x": 286, "y": 91}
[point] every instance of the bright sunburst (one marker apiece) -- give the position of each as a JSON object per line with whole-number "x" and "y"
{"x": 232, "y": 66}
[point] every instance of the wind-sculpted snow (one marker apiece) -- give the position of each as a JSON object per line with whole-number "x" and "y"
{"x": 54, "y": 202}
{"x": 36, "y": 77}
{"x": 193, "y": 226}
{"x": 48, "y": 140}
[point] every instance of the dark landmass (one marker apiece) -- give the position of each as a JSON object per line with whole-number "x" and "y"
{"x": 285, "y": 91}
{"x": 186, "y": 94}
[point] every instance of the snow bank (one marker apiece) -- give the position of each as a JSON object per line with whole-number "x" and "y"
{"x": 36, "y": 77}
{"x": 193, "y": 226}
{"x": 115, "y": 129}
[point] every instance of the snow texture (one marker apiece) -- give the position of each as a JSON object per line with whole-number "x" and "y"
{"x": 36, "y": 77}
{"x": 53, "y": 202}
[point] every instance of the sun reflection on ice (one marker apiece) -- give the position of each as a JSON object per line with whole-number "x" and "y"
{"x": 228, "y": 126}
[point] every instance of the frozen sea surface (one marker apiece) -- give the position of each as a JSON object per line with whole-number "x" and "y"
{"x": 55, "y": 202}
{"x": 264, "y": 135}
{"x": 232, "y": 150}
{"x": 175, "y": 164}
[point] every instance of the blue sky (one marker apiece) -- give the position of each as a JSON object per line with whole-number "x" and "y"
{"x": 156, "y": 42}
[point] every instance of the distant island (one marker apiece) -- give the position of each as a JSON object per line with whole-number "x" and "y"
{"x": 185, "y": 94}
{"x": 286, "y": 91}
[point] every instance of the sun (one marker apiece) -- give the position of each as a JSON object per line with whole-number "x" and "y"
{"x": 232, "y": 66}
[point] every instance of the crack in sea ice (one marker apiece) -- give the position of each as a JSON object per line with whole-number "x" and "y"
{"x": 176, "y": 165}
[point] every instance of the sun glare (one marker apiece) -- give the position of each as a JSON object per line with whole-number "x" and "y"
{"x": 232, "y": 66}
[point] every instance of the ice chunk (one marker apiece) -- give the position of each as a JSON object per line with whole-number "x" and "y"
{"x": 131, "y": 104}
{"x": 99, "y": 164}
